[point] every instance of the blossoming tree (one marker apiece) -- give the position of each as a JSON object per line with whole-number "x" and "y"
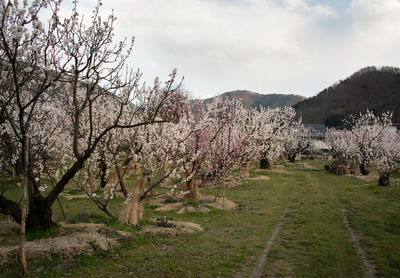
{"x": 297, "y": 139}
{"x": 368, "y": 131}
{"x": 371, "y": 141}
{"x": 65, "y": 71}
{"x": 269, "y": 135}
{"x": 387, "y": 156}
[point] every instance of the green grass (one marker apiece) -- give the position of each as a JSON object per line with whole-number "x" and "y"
{"x": 40, "y": 233}
{"x": 312, "y": 243}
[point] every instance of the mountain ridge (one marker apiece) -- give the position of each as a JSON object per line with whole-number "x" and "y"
{"x": 373, "y": 88}
{"x": 254, "y": 100}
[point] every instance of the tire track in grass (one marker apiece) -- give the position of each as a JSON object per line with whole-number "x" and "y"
{"x": 369, "y": 268}
{"x": 262, "y": 260}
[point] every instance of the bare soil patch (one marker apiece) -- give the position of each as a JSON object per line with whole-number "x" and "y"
{"x": 259, "y": 178}
{"x": 306, "y": 165}
{"x": 224, "y": 204}
{"x": 281, "y": 171}
{"x": 202, "y": 209}
{"x": 220, "y": 203}
{"x": 207, "y": 201}
{"x": 170, "y": 206}
{"x": 370, "y": 177}
{"x": 176, "y": 228}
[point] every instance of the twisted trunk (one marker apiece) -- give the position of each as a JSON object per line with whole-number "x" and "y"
{"x": 39, "y": 215}
{"x": 132, "y": 211}
{"x": 40, "y": 212}
{"x": 191, "y": 185}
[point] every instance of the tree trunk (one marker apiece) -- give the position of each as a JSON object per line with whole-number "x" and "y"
{"x": 192, "y": 186}
{"x": 132, "y": 211}
{"x": 245, "y": 170}
{"x": 264, "y": 163}
{"x": 292, "y": 157}
{"x": 8, "y": 207}
{"x": 23, "y": 203}
{"x": 121, "y": 179}
{"x": 363, "y": 169}
{"x": 384, "y": 179}
{"x": 39, "y": 216}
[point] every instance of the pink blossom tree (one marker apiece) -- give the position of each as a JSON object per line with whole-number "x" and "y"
{"x": 207, "y": 124}
{"x": 233, "y": 146}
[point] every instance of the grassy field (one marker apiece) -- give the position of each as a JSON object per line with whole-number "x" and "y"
{"x": 312, "y": 243}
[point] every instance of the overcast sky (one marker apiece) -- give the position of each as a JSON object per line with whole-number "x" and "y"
{"x": 265, "y": 46}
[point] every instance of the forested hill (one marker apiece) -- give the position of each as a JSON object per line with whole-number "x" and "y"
{"x": 251, "y": 99}
{"x": 376, "y": 89}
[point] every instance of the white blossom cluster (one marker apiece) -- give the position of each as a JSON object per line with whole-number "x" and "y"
{"x": 297, "y": 139}
{"x": 370, "y": 141}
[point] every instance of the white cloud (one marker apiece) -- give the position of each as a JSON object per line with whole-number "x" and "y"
{"x": 268, "y": 46}
{"x": 217, "y": 45}
{"x": 302, "y": 5}
{"x": 376, "y": 19}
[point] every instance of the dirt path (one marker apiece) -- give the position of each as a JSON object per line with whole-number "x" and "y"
{"x": 369, "y": 267}
{"x": 262, "y": 260}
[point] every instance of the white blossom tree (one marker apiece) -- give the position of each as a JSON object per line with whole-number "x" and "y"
{"x": 159, "y": 158}
{"x": 343, "y": 144}
{"x": 269, "y": 135}
{"x": 387, "y": 156}
{"x": 368, "y": 131}
{"x": 74, "y": 70}
{"x": 371, "y": 141}
{"x": 297, "y": 139}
